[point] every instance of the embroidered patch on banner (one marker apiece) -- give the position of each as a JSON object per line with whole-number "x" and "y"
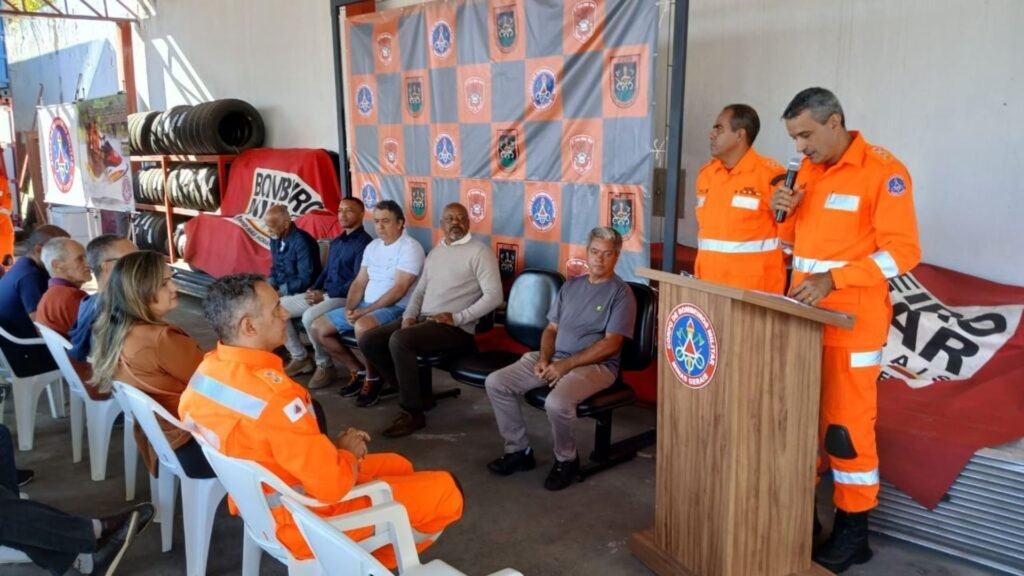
{"x": 62, "y": 155}
{"x": 444, "y": 151}
{"x": 441, "y": 39}
{"x": 691, "y": 345}
{"x": 364, "y": 100}
{"x": 543, "y": 89}
{"x": 295, "y": 409}
{"x": 896, "y": 186}
{"x": 542, "y": 211}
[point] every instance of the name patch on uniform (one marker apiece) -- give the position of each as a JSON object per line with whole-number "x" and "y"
{"x": 747, "y": 202}
{"x": 295, "y": 409}
{"x": 846, "y": 202}
{"x": 896, "y": 186}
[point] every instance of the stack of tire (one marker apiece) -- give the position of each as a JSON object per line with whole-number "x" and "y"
{"x": 191, "y": 185}
{"x": 149, "y": 186}
{"x": 180, "y": 239}
{"x": 151, "y": 232}
{"x": 220, "y": 127}
{"x": 194, "y": 186}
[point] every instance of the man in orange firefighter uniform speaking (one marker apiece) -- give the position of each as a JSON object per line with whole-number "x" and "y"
{"x": 737, "y": 241}
{"x": 242, "y": 402}
{"x": 854, "y": 228}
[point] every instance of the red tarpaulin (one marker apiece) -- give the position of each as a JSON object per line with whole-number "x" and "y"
{"x": 303, "y": 180}
{"x": 953, "y": 378}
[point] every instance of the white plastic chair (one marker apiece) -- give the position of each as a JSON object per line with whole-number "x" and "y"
{"x": 200, "y": 497}
{"x": 99, "y": 418}
{"x": 244, "y": 481}
{"x": 26, "y": 391}
{"x": 339, "y": 555}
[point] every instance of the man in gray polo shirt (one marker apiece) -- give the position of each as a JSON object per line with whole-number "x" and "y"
{"x": 578, "y": 357}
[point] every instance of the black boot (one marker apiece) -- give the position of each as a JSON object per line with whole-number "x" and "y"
{"x": 817, "y": 524}
{"x": 848, "y": 543}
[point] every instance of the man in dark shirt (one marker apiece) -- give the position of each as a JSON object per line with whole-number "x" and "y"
{"x": 295, "y": 255}
{"x": 20, "y": 291}
{"x": 579, "y": 356}
{"x": 101, "y": 254}
{"x": 327, "y": 293}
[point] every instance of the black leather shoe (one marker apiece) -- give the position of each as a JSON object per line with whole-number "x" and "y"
{"x": 405, "y": 425}
{"x": 370, "y": 394}
{"x": 513, "y": 462}
{"x": 848, "y": 543}
{"x": 354, "y": 386}
{"x": 25, "y": 477}
{"x": 118, "y": 534}
{"x": 562, "y": 474}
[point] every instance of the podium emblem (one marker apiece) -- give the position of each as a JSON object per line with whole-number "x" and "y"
{"x": 691, "y": 345}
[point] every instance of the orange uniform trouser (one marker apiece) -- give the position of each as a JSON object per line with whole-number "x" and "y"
{"x": 432, "y": 500}
{"x": 849, "y": 408}
{"x": 6, "y": 238}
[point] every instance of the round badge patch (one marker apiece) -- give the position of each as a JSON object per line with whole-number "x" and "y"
{"x": 62, "y": 155}
{"x": 542, "y": 89}
{"x": 441, "y": 39}
{"x": 364, "y": 100}
{"x": 370, "y": 196}
{"x": 542, "y": 211}
{"x": 896, "y": 186}
{"x": 444, "y": 151}
{"x": 691, "y": 345}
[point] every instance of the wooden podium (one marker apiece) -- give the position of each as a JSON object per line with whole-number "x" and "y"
{"x": 738, "y": 386}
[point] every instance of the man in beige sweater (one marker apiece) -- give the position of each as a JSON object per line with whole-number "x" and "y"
{"x": 459, "y": 285}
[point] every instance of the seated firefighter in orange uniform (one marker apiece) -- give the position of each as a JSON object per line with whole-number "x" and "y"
{"x": 243, "y": 404}
{"x": 738, "y": 243}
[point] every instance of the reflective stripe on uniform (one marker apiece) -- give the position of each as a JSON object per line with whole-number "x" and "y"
{"x": 227, "y": 396}
{"x": 845, "y": 202}
{"x": 812, "y": 266}
{"x": 886, "y": 263}
{"x": 748, "y": 247}
{"x": 787, "y": 247}
{"x": 701, "y": 200}
{"x": 865, "y": 359}
{"x": 868, "y": 478}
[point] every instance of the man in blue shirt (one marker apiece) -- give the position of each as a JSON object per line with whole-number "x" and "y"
{"x": 21, "y": 288}
{"x": 327, "y": 293}
{"x": 101, "y": 254}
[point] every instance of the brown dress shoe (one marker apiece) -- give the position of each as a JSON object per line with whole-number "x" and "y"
{"x": 323, "y": 377}
{"x": 300, "y": 366}
{"x": 405, "y": 425}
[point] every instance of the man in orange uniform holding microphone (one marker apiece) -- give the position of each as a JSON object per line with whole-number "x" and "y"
{"x": 243, "y": 404}
{"x": 738, "y": 244}
{"x": 854, "y": 228}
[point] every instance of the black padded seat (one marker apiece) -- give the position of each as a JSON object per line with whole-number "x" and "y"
{"x": 526, "y": 317}
{"x": 615, "y": 396}
{"x": 473, "y": 369}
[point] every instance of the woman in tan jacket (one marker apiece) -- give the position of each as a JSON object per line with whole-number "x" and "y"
{"x": 133, "y": 344}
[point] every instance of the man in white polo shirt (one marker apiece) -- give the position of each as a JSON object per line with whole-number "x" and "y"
{"x": 379, "y": 294}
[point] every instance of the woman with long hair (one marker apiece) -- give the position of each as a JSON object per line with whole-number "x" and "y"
{"x": 132, "y": 343}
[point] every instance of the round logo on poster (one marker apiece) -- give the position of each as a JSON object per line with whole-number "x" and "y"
{"x": 691, "y": 345}
{"x": 62, "y": 155}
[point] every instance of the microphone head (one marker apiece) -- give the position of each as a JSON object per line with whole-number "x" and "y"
{"x": 794, "y": 164}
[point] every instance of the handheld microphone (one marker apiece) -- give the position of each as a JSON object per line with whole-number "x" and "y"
{"x": 791, "y": 170}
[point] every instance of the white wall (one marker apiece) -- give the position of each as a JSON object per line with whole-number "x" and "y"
{"x": 275, "y": 54}
{"x": 940, "y": 83}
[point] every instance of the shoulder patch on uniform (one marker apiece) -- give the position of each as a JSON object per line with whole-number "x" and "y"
{"x": 771, "y": 163}
{"x": 882, "y": 153}
{"x": 896, "y": 185}
{"x": 272, "y": 377}
{"x": 295, "y": 409}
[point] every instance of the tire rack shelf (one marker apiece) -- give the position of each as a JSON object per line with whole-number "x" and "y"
{"x": 166, "y": 161}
